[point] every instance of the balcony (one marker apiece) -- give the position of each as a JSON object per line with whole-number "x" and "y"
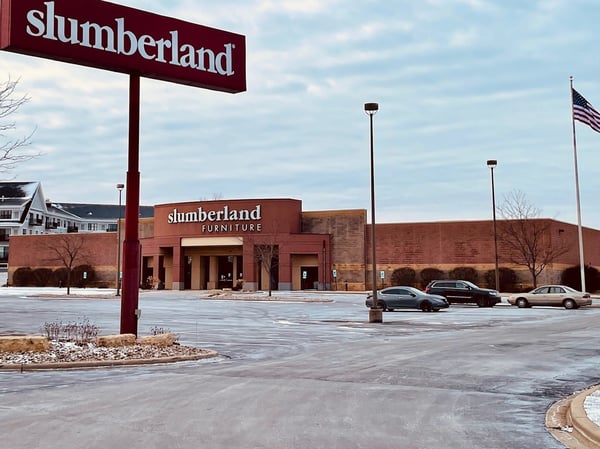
{"x": 36, "y": 221}
{"x": 51, "y": 225}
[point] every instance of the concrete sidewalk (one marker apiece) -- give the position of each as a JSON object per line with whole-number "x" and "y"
{"x": 568, "y": 421}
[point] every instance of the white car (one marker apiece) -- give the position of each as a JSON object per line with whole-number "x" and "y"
{"x": 552, "y": 295}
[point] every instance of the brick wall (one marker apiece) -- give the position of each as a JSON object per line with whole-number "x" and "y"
{"x": 448, "y": 245}
{"x": 442, "y": 245}
{"x": 40, "y": 251}
{"x": 347, "y": 230}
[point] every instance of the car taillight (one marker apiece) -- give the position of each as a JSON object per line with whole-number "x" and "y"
{"x": 587, "y": 295}
{"x": 427, "y": 289}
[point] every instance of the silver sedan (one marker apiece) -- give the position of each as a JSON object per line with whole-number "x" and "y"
{"x": 552, "y": 295}
{"x": 407, "y": 298}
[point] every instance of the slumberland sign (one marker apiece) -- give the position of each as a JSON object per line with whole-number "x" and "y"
{"x": 114, "y": 37}
{"x": 222, "y": 220}
{"x": 107, "y": 36}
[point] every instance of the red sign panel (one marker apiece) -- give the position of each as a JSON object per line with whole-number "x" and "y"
{"x": 113, "y": 37}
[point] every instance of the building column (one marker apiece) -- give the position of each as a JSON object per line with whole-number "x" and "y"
{"x": 325, "y": 275}
{"x": 196, "y": 272}
{"x": 213, "y": 272}
{"x": 156, "y": 266}
{"x": 285, "y": 270}
{"x": 178, "y": 267}
{"x": 249, "y": 269}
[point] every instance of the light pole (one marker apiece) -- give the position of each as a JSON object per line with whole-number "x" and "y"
{"x": 492, "y": 163}
{"x": 120, "y": 188}
{"x": 375, "y": 312}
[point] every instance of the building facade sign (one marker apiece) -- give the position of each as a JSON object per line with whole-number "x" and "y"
{"x": 108, "y": 36}
{"x": 225, "y": 219}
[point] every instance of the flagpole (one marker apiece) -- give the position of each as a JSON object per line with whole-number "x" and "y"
{"x": 579, "y": 231}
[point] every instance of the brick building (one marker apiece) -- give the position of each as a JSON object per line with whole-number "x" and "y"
{"x": 220, "y": 244}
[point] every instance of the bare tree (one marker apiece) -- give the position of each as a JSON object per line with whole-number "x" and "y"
{"x": 526, "y": 236}
{"x": 68, "y": 250}
{"x": 12, "y": 150}
{"x": 267, "y": 255}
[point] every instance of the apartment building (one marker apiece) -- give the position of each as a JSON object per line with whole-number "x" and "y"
{"x": 24, "y": 210}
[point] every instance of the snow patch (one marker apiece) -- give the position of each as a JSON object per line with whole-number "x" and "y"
{"x": 592, "y": 407}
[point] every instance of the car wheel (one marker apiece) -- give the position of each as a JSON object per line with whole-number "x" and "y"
{"x": 382, "y": 305}
{"x": 522, "y": 303}
{"x": 569, "y": 304}
{"x": 481, "y": 302}
{"x": 426, "y": 306}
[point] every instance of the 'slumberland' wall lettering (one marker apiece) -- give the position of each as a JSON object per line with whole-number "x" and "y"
{"x": 222, "y": 220}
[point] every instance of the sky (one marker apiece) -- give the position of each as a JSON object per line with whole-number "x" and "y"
{"x": 458, "y": 82}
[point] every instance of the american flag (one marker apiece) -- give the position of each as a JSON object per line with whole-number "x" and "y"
{"x": 584, "y": 112}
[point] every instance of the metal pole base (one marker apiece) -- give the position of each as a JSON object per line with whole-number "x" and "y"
{"x": 375, "y": 315}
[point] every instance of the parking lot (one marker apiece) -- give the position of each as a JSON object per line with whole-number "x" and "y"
{"x": 305, "y": 374}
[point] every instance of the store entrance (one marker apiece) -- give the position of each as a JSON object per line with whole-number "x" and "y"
{"x": 225, "y": 271}
{"x": 310, "y": 278}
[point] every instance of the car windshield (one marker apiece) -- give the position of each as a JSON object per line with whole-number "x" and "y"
{"x": 470, "y": 284}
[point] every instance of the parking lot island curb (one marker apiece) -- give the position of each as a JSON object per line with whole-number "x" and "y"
{"x": 578, "y": 419}
{"x": 105, "y": 363}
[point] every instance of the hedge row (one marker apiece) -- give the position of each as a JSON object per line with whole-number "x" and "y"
{"x": 46, "y": 277}
{"x": 508, "y": 278}
{"x": 408, "y": 276}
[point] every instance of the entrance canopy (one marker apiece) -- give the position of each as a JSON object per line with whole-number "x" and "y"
{"x": 212, "y": 241}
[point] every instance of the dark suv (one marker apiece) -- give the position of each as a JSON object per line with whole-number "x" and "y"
{"x": 463, "y": 292}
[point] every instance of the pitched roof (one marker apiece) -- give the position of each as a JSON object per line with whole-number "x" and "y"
{"x": 100, "y": 211}
{"x": 17, "y": 193}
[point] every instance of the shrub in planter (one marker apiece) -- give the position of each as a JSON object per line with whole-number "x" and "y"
{"x": 465, "y": 273}
{"x": 23, "y": 277}
{"x": 404, "y": 276}
{"x": 430, "y": 274}
{"x": 506, "y": 277}
{"x": 41, "y": 276}
{"x": 77, "y": 275}
{"x": 59, "y": 277}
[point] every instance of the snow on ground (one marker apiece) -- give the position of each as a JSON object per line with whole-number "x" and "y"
{"x": 592, "y": 407}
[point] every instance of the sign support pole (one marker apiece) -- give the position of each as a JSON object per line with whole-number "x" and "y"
{"x": 131, "y": 244}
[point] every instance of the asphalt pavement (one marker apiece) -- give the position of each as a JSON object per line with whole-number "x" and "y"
{"x": 296, "y": 375}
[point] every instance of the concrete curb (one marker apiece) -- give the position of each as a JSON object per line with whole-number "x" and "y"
{"x": 582, "y": 425}
{"x": 105, "y": 363}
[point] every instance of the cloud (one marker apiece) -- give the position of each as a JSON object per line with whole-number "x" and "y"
{"x": 458, "y": 82}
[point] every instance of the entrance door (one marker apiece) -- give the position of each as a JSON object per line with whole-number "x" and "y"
{"x": 187, "y": 278}
{"x": 310, "y": 278}
{"x": 225, "y": 271}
